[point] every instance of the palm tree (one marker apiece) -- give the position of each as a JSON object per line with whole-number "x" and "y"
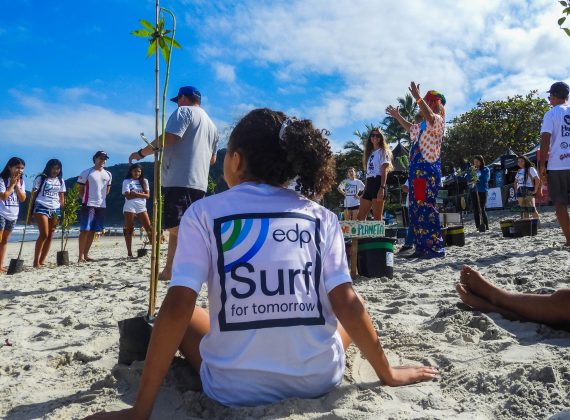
{"x": 393, "y": 130}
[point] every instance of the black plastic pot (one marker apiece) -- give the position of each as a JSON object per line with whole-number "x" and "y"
{"x": 134, "y": 336}
{"x": 142, "y": 252}
{"x": 62, "y": 258}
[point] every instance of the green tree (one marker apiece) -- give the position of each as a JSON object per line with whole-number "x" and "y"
{"x": 69, "y": 216}
{"x": 565, "y": 13}
{"x": 393, "y": 130}
{"x": 493, "y": 126}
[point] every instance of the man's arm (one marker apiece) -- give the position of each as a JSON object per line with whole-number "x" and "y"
{"x": 544, "y": 150}
{"x": 169, "y": 140}
{"x": 81, "y": 189}
{"x": 213, "y": 158}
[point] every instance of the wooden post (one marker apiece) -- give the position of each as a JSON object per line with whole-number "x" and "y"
{"x": 353, "y": 258}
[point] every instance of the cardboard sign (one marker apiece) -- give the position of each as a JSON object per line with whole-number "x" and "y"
{"x": 362, "y": 229}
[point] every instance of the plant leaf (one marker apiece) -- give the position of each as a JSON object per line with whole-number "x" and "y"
{"x": 567, "y": 31}
{"x": 164, "y": 51}
{"x": 561, "y": 21}
{"x": 563, "y": 3}
{"x": 171, "y": 42}
{"x": 141, "y": 32}
{"x": 147, "y": 24}
{"x": 161, "y": 43}
{"x": 151, "y": 48}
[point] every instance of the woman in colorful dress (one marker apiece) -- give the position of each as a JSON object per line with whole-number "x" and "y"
{"x": 425, "y": 170}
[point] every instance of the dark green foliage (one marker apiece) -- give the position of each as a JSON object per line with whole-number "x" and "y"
{"x": 493, "y": 126}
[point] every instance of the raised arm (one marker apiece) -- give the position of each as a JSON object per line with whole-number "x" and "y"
{"x": 169, "y": 140}
{"x": 394, "y": 112}
{"x": 425, "y": 110}
{"x": 353, "y": 316}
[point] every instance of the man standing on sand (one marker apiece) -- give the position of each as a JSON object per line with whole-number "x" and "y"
{"x": 555, "y": 148}
{"x": 190, "y": 143}
{"x": 94, "y": 185}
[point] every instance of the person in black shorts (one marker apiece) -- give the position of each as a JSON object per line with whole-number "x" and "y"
{"x": 377, "y": 162}
{"x": 189, "y": 150}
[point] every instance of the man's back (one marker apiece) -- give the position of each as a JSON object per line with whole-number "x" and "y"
{"x": 186, "y": 163}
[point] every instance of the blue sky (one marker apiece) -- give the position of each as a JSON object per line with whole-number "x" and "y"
{"x": 75, "y": 81}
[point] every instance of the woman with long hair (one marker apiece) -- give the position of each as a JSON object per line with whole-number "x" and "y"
{"x": 527, "y": 184}
{"x": 12, "y": 193}
{"x": 479, "y": 189}
{"x": 377, "y": 162}
{"x": 425, "y": 170}
{"x": 48, "y": 198}
{"x": 136, "y": 192}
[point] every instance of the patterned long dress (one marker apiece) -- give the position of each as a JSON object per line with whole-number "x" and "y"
{"x": 424, "y": 180}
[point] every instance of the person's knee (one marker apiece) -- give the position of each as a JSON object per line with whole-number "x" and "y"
{"x": 562, "y": 296}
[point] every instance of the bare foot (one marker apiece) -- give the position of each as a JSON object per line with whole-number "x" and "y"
{"x": 2, "y": 270}
{"x": 475, "y": 283}
{"x": 165, "y": 275}
{"x": 474, "y": 301}
{"x": 81, "y": 260}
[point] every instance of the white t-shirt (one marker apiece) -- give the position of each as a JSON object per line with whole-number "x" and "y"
{"x": 272, "y": 328}
{"x": 10, "y": 207}
{"x": 96, "y": 183}
{"x": 49, "y": 195}
{"x": 351, "y": 188}
{"x": 134, "y": 205}
{"x": 375, "y": 161}
{"x": 557, "y": 122}
{"x": 521, "y": 182}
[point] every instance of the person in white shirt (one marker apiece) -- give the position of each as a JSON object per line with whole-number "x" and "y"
{"x": 94, "y": 185}
{"x": 554, "y": 148}
{"x": 351, "y": 188}
{"x": 48, "y": 198}
{"x": 377, "y": 162}
{"x": 527, "y": 183}
{"x": 136, "y": 192}
{"x": 12, "y": 193}
{"x": 282, "y": 309}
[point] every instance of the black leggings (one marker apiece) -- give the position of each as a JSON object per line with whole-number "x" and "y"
{"x": 482, "y": 202}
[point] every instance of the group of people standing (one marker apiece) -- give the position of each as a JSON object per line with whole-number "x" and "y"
{"x": 189, "y": 149}
{"x": 424, "y": 176}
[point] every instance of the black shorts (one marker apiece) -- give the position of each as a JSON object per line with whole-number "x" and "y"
{"x": 523, "y": 192}
{"x": 352, "y": 208}
{"x": 372, "y": 187}
{"x": 176, "y": 201}
{"x": 559, "y": 186}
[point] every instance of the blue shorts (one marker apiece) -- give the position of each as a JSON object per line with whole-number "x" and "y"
{"x": 6, "y": 224}
{"x": 43, "y": 210}
{"x": 91, "y": 218}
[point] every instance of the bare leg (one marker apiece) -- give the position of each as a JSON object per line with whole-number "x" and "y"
{"x": 353, "y": 215}
{"x": 166, "y": 273}
{"x": 47, "y": 244}
{"x": 82, "y": 241}
{"x": 4, "y": 235}
{"x": 146, "y": 224}
{"x": 128, "y": 230}
{"x": 198, "y": 327}
{"x": 377, "y": 209}
{"x": 364, "y": 209}
{"x": 43, "y": 227}
{"x": 549, "y": 309}
{"x": 563, "y": 220}
{"x": 479, "y": 303}
{"x": 88, "y": 242}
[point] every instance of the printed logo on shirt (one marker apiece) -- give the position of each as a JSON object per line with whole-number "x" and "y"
{"x": 567, "y": 119}
{"x": 564, "y": 156}
{"x": 564, "y": 145}
{"x": 565, "y": 130}
{"x": 269, "y": 266}
{"x": 350, "y": 189}
{"x": 51, "y": 190}
{"x": 371, "y": 163}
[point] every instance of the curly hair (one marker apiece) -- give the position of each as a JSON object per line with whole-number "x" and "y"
{"x": 368, "y": 148}
{"x": 303, "y": 151}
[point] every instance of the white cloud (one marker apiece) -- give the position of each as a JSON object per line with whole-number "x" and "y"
{"x": 465, "y": 49}
{"x": 225, "y": 72}
{"x": 73, "y": 126}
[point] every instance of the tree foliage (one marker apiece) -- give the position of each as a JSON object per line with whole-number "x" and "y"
{"x": 154, "y": 35}
{"x": 69, "y": 216}
{"x": 394, "y": 132}
{"x": 565, "y": 14}
{"x": 493, "y": 126}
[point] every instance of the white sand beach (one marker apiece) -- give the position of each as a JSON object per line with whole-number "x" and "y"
{"x": 59, "y": 339}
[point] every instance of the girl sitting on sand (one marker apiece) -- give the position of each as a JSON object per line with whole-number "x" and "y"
{"x": 526, "y": 185}
{"x": 48, "y": 198}
{"x": 136, "y": 192}
{"x": 282, "y": 309}
{"x": 12, "y": 193}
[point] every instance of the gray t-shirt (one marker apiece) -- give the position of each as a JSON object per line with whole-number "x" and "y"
{"x": 187, "y": 163}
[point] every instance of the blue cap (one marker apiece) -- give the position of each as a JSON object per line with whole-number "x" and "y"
{"x": 559, "y": 89}
{"x": 188, "y": 91}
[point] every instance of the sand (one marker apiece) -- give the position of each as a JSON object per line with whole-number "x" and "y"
{"x": 61, "y": 324}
